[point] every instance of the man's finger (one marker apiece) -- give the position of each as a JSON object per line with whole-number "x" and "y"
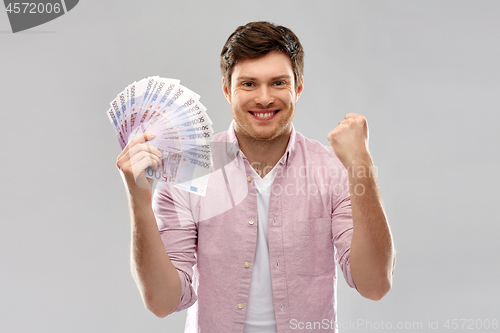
{"x": 153, "y": 150}
{"x": 138, "y": 169}
{"x": 144, "y": 154}
{"x": 144, "y": 147}
{"x": 351, "y": 115}
{"x": 146, "y": 136}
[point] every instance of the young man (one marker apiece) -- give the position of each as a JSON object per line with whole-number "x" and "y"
{"x": 258, "y": 252}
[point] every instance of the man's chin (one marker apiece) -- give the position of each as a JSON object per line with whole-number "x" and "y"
{"x": 261, "y": 136}
{"x": 262, "y": 133}
{"x": 269, "y": 136}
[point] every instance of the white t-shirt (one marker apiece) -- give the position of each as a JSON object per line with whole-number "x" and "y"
{"x": 260, "y": 310}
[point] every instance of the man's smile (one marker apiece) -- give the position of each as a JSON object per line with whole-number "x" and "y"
{"x": 264, "y": 114}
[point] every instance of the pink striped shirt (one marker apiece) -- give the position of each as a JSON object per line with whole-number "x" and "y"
{"x": 211, "y": 240}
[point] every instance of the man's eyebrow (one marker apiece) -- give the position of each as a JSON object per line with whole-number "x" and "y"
{"x": 249, "y": 78}
{"x": 283, "y": 76}
{"x": 245, "y": 78}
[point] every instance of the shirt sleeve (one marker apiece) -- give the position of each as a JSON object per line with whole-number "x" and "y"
{"x": 178, "y": 232}
{"x": 342, "y": 225}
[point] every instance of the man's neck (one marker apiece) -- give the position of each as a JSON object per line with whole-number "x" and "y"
{"x": 263, "y": 154}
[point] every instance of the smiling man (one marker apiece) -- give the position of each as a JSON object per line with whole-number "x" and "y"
{"x": 262, "y": 93}
{"x": 258, "y": 253}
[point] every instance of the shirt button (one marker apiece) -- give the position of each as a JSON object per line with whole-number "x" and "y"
{"x": 251, "y": 221}
{"x": 240, "y": 306}
{"x": 247, "y": 264}
{"x": 249, "y": 178}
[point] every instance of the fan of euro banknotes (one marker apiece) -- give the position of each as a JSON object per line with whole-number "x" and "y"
{"x": 182, "y": 127}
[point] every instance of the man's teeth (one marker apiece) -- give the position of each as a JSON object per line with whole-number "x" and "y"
{"x": 264, "y": 115}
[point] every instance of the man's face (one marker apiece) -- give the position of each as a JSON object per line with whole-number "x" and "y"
{"x": 263, "y": 96}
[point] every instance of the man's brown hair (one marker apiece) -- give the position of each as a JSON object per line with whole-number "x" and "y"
{"x": 255, "y": 40}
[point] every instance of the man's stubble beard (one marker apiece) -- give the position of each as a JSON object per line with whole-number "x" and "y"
{"x": 283, "y": 130}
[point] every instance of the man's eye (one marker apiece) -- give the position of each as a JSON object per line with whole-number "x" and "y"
{"x": 279, "y": 83}
{"x": 247, "y": 84}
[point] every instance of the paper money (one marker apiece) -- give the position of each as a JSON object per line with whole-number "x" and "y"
{"x": 183, "y": 129}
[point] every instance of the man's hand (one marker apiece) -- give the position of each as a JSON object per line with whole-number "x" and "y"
{"x": 349, "y": 140}
{"x": 372, "y": 252}
{"x": 135, "y": 158}
{"x": 153, "y": 272}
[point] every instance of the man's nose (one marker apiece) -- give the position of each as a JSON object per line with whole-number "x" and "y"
{"x": 264, "y": 96}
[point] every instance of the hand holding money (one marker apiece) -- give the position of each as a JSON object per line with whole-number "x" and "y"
{"x": 180, "y": 151}
{"x": 135, "y": 158}
{"x": 349, "y": 141}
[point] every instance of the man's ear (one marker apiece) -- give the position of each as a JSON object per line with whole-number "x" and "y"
{"x": 300, "y": 88}
{"x": 225, "y": 90}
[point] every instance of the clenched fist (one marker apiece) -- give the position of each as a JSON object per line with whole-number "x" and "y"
{"x": 349, "y": 141}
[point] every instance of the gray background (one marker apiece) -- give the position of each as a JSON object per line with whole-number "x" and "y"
{"x": 424, "y": 73}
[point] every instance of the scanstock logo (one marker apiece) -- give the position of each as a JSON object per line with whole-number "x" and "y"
{"x": 26, "y": 15}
